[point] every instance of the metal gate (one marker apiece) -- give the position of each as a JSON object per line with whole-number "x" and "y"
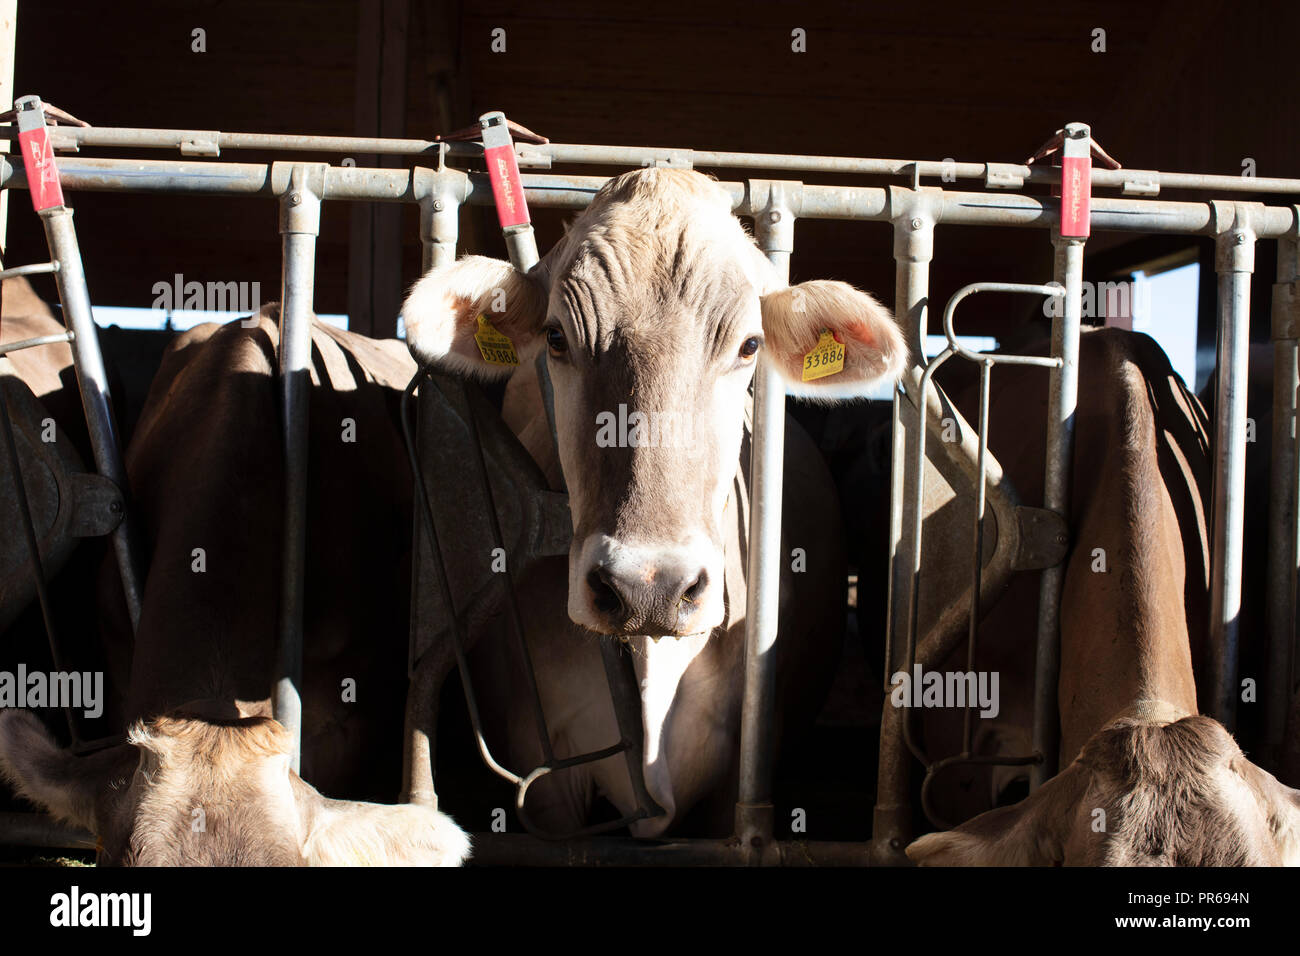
{"x": 913, "y": 210}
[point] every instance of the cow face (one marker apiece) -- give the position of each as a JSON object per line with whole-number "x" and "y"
{"x": 653, "y": 311}
{"x": 1139, "y": 794}
{"x": 199, "y": 791}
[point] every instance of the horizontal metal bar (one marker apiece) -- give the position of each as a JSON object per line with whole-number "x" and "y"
{"x": 211, "y": 142}
{"x": 8, "y": 347}
{"x": 197, "y": 141}
{"x": 956, "y": 347}
{"x": 35, "y": 269}
{"x": 516, "y": 849}
{"x": 857, "y": 203}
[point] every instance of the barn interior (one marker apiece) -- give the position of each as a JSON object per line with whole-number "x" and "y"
{"x": 1188, "y": 86}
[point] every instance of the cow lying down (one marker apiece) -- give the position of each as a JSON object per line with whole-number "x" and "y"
{"x": 198, "y": 788}
{"x": 203, "y": 777}
{"x": 1148, "y": 780}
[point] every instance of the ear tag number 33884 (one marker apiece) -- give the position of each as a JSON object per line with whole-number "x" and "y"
{"x": 825, "y": 358}
{"x": 495, "y": 347}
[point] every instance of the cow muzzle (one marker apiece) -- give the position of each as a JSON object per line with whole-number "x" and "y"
{"x": 623, "y": 589}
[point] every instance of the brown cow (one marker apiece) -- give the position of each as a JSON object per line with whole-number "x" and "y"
{"x": 1148, "y": 781}
{"x": 204, "y": 777}
{"x": 653, "y": 310}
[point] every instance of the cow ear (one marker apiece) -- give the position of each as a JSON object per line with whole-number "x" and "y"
{"x": 442, "y": 317}
{"x": 1030, "y": 833}
{"x": 349, "y": 833}
{"x": 58, "y": 781}
{"x": 1280, "y": 805}
{"x": 794, "y": 320}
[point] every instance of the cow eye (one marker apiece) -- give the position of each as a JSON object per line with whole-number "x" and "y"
{"x": 749, "y": 347}
{"x": 555, "y": 340}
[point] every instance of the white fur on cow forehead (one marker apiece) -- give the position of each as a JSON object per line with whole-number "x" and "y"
{"x": 654, "y": 228}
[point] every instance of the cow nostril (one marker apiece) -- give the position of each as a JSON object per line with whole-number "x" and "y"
{"x": 604, "y": 595}
{"x": 696, "y": 590}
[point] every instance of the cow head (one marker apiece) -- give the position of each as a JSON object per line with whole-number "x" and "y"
{"x": 190, "y": 790}
{"x": 1139, "y": 794}
{"x": 653, "y": 310}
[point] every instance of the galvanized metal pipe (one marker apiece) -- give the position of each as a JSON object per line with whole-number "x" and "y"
{"x": 1283, "y": 550}
{"x": 300, "y": 210}
{"x": 61, "y": 338}
{"x": 855, "y": 203}
{"x": 1002, "y": 175}
{"x": 774, "y": 229}
{"x": 439, "y": 231}
{"x": 977, "y": 546}
{"x": 1063, "y": 395}
{"x": 1234, "y": 262}
{"x": 92, "y": 382}
{"x": 891, "y": 827}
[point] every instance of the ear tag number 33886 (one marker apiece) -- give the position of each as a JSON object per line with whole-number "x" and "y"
{"x": 825, "y": 358}
{"x": 495, "y": 347}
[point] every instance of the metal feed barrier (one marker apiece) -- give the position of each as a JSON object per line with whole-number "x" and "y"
{"x": 1027, "y": 538}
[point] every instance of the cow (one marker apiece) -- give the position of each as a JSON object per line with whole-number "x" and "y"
{"x": 1148, "y": 780}
{"x": 655, "y": 307}
{"x": 204, "y": 774}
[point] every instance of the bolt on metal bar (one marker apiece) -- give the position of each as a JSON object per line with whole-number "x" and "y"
{"x": 774, "y": 228}
{"x": 1283, "y": 552}
{"x": 300, "y": 211}
{"x": 92, "y": 382}
{"x": 1234, "y": 263}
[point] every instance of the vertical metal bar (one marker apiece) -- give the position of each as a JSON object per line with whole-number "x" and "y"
{"x": 299, "y": 226}
{"x": 977, "y": 545}
{"x": 1282, "y": 516}
{"x": 774, "y": 228}
{"x": 913, "y": 250}
{"x": 441, "y": 193}
{"x": 1063, "y": 394}
{"x": 92, "y": 382}
{"x": 439, "y": 230}
{"x": 1234, "y": 263}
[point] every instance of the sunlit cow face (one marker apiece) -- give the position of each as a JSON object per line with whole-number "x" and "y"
{"x": 654, "y": 310}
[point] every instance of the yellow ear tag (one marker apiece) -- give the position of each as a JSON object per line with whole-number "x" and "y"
{"x": 496, "y": 348}
{"x": 826, "y": 357}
